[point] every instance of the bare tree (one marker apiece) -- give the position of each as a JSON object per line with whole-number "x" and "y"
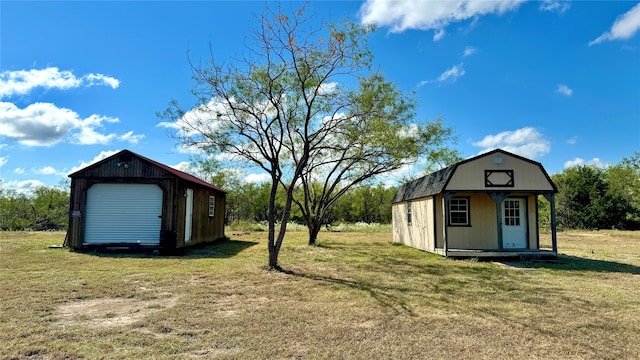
{"x": 291, "y": 105}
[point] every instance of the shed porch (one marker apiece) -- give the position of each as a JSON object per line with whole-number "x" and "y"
{"x": 504, "y": 253}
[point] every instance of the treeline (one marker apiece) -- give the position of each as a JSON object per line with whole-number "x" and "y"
{"x": 589, "y": 198}
{"x": 599, "y": 198}
{"x": 249, "y": 202}
{"x": 44, "y": 208}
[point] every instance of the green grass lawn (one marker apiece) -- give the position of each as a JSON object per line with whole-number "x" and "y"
{"x": 355, "y": 296}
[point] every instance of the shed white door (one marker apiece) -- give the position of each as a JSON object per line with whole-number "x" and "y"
{"x": 188, "y": 218}
{"x": 123, "y": 213}
{"x": 514, "y": 224}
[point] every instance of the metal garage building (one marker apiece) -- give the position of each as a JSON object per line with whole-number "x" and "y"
{"x": 130, "y": 200}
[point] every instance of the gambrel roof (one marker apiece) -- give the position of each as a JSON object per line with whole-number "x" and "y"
{"x": 437, "y": 182}
{"x": 425, "y": 186}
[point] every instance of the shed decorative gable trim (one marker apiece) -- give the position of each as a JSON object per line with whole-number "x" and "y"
{"x": 437, "y": 182}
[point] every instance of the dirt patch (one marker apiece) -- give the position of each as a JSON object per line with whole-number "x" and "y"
{"x": 110, "y": 312}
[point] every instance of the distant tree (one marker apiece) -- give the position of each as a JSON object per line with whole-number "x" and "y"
{"x": 585, "y": 201}
{"x": 544, "y": 213}
{"x": 624, "y": 182}
{"x": 51, "y": 208}
{"x": 366, "y": 203}
{"x": 43, "y": 208}
{"x": 16, "y": 211}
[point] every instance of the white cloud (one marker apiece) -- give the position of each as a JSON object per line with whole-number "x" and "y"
{"x": 438, "y": 35}
{"x": 228, "y": 157}
{"x": 182, "y": 166}
{"x": 527, "y": 142}
{"x": 558, "y": 6}
{"x": 468, "y": 51}
{"x": 21, "y": 82}
{"x": 18, "y": 171}
{"x": 200, "y": 118}
{"x": 49, "y": 170}
{"x": 401, "y": 15}
{"x": 573, "y": 140}
{"x": 257, "y": 178}
{"x": 595, "y": 162}
{"x": 452, "y": 74}
{"x": 101, "y": 156}
{"x": 87, "y": 134}
{"x": 3, "y": 160}
{"x": 624, "y": 27}
{"x": 564, "y": 90}
{"x": 39, "y": 124}
{"x": 99, "y": 79}
{"x": 131, "y": 138}
{"x": 328, "y": 88}
{"x": 44, "y": 124}
{"x": 403, "y": 173}
{"x": 24, "y": 186}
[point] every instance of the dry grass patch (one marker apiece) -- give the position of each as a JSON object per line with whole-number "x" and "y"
{"x": 96, "y": 313}
{"x": 354, "y": 296}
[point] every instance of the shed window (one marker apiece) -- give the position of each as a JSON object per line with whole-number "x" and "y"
{"x": 212, "y": 205}
{"x": 512, "y": 213}
{"x": 459, "y": 212}
{"x": 409, "y": 213}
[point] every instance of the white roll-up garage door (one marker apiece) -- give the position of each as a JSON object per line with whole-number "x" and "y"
{"x": 123, "y": 213}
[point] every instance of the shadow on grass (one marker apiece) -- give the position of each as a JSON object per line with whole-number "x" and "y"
{"x": 218, "y": 249}
{"x": 574, "y": 263}
{"x": 378, "y": 293}
{"x": 212, "y": 250}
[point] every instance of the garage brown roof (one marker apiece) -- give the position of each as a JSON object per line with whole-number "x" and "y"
{"x": 180, "y": 174}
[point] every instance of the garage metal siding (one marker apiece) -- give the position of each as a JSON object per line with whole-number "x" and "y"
{"x": 123, "y": 213}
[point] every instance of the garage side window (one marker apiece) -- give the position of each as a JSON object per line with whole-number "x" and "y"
{"x": 459, "y": 212}
{"x": 409, "y": 213}
{"x": 212, "y": 205}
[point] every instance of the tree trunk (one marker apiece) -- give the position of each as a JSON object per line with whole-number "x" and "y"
{"x": 273, "y": 259}
{"x": 273, "y": 250}
{"x": 314, "y": 228}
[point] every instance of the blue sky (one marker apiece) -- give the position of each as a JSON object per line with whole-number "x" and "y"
{"x": 555, "y": 81}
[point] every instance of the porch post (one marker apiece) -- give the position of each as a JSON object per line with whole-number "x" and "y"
{"x": 445, "y": 216}
{"x": 554, "y": 240}
{"x": 498, "y": 198}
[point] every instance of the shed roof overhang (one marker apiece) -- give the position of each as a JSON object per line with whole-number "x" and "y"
{"x": 180, "y": 174}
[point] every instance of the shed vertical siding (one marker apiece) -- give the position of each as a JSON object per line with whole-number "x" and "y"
{"x": 129, "y": 168}
{"x": 399, "y": 221}
{"x": 439, "y": 221}
{"x": 204, "y": 227}
{"x": 420, "y": 234}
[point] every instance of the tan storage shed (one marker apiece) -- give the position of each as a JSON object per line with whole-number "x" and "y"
{"x": 484, "y": 206}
